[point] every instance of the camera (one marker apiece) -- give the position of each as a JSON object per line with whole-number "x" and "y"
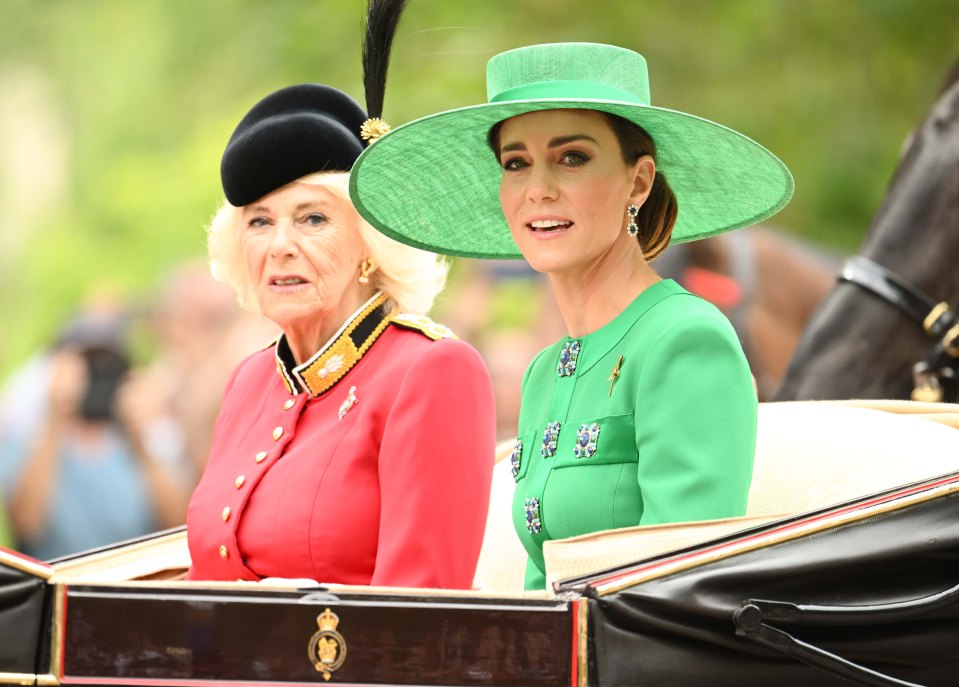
{"x": 107, "y": 369}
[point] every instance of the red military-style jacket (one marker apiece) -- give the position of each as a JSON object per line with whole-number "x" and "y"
{"x": 368, "y": 464}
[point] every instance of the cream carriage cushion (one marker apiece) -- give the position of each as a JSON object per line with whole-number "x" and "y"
{"x": 808, "y": 455}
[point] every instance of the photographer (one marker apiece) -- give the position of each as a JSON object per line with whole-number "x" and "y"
{"x": 91, "y": 461}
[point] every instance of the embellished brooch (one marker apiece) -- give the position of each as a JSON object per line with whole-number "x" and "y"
{"x": 567, "y": 359}
{"x": 516, "y": 457}
{"x": 533, "y": 523}
{"x": 586, "y": 439}
{"x": 550, "y": 436}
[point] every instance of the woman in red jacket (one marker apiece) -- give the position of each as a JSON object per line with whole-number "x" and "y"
{"x": 358, "y": 448}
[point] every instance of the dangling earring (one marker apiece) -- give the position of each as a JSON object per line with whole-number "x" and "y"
{"x": 632, "y": 228}
{"x": 367, "y": 267}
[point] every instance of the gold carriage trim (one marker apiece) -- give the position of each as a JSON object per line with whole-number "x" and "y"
{"x": 789, "y": 532}
{"x": 424, "y": 325}
{"x": 327, "y": 647}
{"x": 340, "y": 355}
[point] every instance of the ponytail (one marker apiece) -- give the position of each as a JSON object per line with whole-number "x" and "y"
{"x": 657, "y": 214}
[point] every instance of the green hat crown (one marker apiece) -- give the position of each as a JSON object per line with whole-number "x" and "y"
{"x": 568, "y": 70}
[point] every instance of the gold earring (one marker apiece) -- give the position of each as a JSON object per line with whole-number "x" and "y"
{"x": 367, "y": 267}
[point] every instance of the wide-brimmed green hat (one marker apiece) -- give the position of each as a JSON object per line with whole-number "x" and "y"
{"x": 434, "y": 182}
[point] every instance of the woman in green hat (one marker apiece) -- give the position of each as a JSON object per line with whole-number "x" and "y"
{"x": 646, "y": 412}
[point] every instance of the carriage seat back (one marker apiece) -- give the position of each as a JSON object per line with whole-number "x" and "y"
{"x": 815, "y": 454}
{"x": 809, "y": 455}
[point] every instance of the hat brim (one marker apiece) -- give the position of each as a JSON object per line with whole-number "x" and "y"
{"x": 434, "y": 183}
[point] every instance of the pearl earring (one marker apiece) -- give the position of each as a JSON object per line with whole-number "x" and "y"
{"x": 367, "y": 267}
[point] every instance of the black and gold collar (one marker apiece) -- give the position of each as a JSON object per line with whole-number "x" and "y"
{"x": 331, "y": 363}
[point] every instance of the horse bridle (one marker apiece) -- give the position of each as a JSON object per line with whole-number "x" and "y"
{"x": 938, "y": 321}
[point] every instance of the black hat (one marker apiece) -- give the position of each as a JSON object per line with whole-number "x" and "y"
{"x": 292, "y": 132}
{"x": 308, "y": 128}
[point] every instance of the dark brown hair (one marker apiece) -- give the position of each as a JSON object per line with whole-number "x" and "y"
{"x": 658, "y": 214}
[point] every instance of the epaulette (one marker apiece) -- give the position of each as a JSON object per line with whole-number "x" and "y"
{"x": 424, "y": 325}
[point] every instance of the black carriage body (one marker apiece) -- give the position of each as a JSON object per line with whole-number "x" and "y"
{"x": 874, "y": 585}
{"x": 668, "y": 621}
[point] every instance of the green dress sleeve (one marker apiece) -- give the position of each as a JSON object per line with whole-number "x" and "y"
{"x": 695, "y": 424}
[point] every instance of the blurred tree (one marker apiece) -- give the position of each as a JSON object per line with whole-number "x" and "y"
{"x": 113, "y": 114}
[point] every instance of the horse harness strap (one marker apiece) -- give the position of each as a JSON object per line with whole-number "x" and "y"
{"x": 937, "y": 319}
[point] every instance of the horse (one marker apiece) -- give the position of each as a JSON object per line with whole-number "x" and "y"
{"x": 766, "y": 281}
{"x": 889, "y": 326}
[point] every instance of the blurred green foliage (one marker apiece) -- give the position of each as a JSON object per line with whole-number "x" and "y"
{"x": 113, "y": 114}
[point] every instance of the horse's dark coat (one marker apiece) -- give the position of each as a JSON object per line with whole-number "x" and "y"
{"x": 858, "y": 345}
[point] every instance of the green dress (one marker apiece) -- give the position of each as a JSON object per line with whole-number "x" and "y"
{"x": 650, "y": 419}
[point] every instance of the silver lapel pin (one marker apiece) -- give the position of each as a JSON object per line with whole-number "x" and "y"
{"x": 348, "y": 403}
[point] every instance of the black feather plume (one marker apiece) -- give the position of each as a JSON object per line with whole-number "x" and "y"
{"x": 382, "y": 18}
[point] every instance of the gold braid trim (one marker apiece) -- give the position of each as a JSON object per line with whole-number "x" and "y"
{"x": 343, "y": 354}
{"x": 424, "y": 325}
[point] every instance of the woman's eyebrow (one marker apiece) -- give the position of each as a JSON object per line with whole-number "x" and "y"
{"x": 509, "y": 147}
{"x": 553, "y": 142}
{"x": 563, "y": 140}
{"x": 309, "y": 205}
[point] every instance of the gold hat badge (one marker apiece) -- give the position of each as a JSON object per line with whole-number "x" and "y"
{"x": 327, "y": 647}
{"x": 373, "y": 128}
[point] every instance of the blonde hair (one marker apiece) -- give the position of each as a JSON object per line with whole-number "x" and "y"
{"x": 411, "y": 278}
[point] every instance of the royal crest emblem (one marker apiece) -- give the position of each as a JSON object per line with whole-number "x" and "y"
{"x": 567, "y": 359}
{"x": 550, "y": 437}
{"x": 586, "y": 439}
{"x": 327, "y": 647}
{"x": 516, "y": 458}
{"x": 533, "y": 523}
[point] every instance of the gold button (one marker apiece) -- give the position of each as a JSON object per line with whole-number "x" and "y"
{"x": 277, "y": 433}
{"x": 224, "y": 554}
{"x": 240, "y": 480}
{"x": 225, "y": 514}
{"x": 289, "y": 404}
{"x": 260, "y": 457}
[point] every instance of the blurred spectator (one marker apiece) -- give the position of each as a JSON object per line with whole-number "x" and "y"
{"x": 87, "y": 457}
{"x": 508, "y": 311}
{"x": 201, "y": 335}
{"x": 507, "y": 352}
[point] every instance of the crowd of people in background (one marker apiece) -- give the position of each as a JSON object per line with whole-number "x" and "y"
{"x": 98, "y": 446}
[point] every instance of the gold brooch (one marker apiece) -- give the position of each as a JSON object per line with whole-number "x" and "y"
{"x": 614, "y": 375}
{"x": 373, "y": 128}
{"x": 327, "y": 649}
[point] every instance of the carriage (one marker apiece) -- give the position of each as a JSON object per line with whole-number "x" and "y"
{"x": 843, "y": 571}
